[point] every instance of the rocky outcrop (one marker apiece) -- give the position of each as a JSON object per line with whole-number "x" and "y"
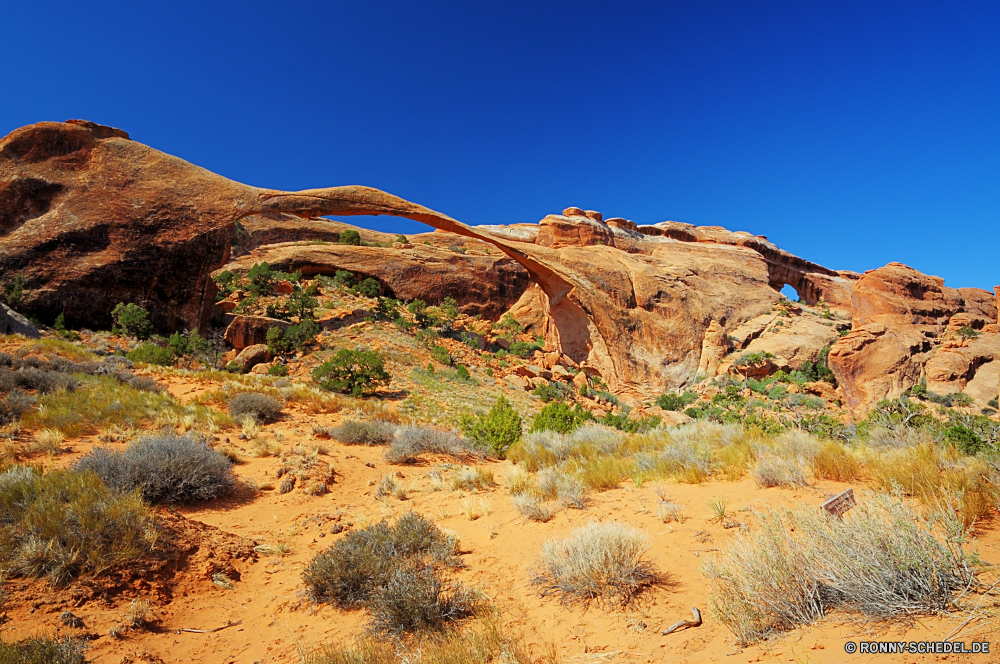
{"x": 246, "y": 331}
{"x": 12, "y": 322}
{"x": 900, "y": 318}
{"x": 481, "y": 284}
{"x": 91, "y": 218}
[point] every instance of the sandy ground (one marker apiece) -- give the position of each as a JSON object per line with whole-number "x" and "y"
{"x": 273, "y": 621}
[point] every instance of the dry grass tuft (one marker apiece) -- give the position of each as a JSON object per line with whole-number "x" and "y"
{"x": 882, "y": 560}
{"x": 600, "y": 562}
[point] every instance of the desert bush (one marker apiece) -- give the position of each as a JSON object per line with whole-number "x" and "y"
{"x": 369, "y": 288}
{"x": 14, "y": 405}
{"x": 353, "y": 372}
{"x": 349, "y": 237}
{"x": 65, "y": 522}
{"x": 882, "y": 560}
{"x": 413, "y": 440}
{"x": 163, "y": 468}
{"x": 279, "y": 370}
{"x": 416, "y": 598}
{"x": 278, "y": 343}
{"x": 42, "y": 380}
{"x": 473, "y": 478}
{"x": 441, "y": 354}
{"x": 560, "y": 417}
{"x": 43, "y": 650}
{"x": 532, "y": 507}
{"x": 131, "y": 320}
{"x": 152, "y": 354}
{"x": 394, "y": 572}
{"x": 671, "y": 401}
{"x": 262, "y": 407}
{"x": 772, "y": 469}
{"x": 603, "y": 473}
{"x": 835, "y": 462}
{"x": 353, "y": 432}
{"x": 600, "y": 562}
{"x": 495, "y": 431}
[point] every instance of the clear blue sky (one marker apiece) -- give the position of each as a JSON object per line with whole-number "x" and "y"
{"x": 850, "y": 133}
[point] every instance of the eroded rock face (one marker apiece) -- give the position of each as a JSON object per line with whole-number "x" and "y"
{"x": 480, "y": 284}
{"x": 902, "y": 321}
{"x": 92, "y": 218}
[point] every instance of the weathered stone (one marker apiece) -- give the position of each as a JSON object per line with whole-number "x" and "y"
{"x": 517, "y": 382}
{"x": 251, "y": 356}
{"x": 247, "y": 331}
{"x": 12, "y": 322}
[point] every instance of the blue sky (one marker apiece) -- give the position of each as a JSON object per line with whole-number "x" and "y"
{"x": 850, "y": 133}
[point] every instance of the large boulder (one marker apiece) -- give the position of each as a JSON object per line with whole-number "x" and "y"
{"x": 12, "y": 322}
{"x": 246, "y": 331}
{"x": 901, "y": 321}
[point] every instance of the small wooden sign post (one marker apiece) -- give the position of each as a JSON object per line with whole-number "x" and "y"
{"x": 839, "y": 504}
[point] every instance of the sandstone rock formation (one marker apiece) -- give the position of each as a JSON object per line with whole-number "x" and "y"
{"x": 92, "y": 218}
{"x": 899, "y": 319}
{"x": 481, "y": 284}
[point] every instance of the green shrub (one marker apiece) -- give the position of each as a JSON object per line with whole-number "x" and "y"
{"x": 13, "y": 291}
{"x": 369, "y": 288}
{"x": 131, "y": 320}
{"x": 560, "y": 417}
{"x": 67, "y": 522}
{"x": 278, "y": 370}
{"x": 261, "y": 279}
{"x": 343, "y": 278}
{"x": 262, "y": 407}
{"x": 967, "y": 332}
{"x": 350, "y": 237}
{"x": 964, "y": 438}
{"x": 622, "y": 422}
{"x": 420, "y": 314}
{"x": 508, "y": 327}
{"x": 441, "y": 354}
{"x": 227, "y": 282}
{"x": 672, "y": 401}
{"x": 43, "y": 650}
{"x": 385, "y": 309}
{"x": 462, "y": 373}
{"x": 449, "y": 307}
{"x": 152, "y": 354}
{"x": 302, "y": 333}
{"x": 353, "y": 372}
{"x": 163, "y": 468}
{"x": 495, "y": 431}
{"x": 278, "y": 343}
{"x": 524, "y": 348}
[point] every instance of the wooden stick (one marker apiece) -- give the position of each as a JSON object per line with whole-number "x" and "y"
{"x": 209, "y": 631}
{"x": 684, "y": 624}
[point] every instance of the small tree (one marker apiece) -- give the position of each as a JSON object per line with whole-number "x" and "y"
{"x": 400, "y": 238}
{"x": 672, "y": 401}
{"x": 131, "y": 320}
{"x": 353, "y": 372}
{"x": 13, "y": 291}
{"x": 495, "y": 431}
{"x": 560, "y": 417}
{"x": 350, "y": 237}
{"x": 449, "y": 307}
{"x": 967, "y": 333}
{"x": 369, "y": 288}
{"x": 277, "y": 342}
{"x": 261, "y": 279}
